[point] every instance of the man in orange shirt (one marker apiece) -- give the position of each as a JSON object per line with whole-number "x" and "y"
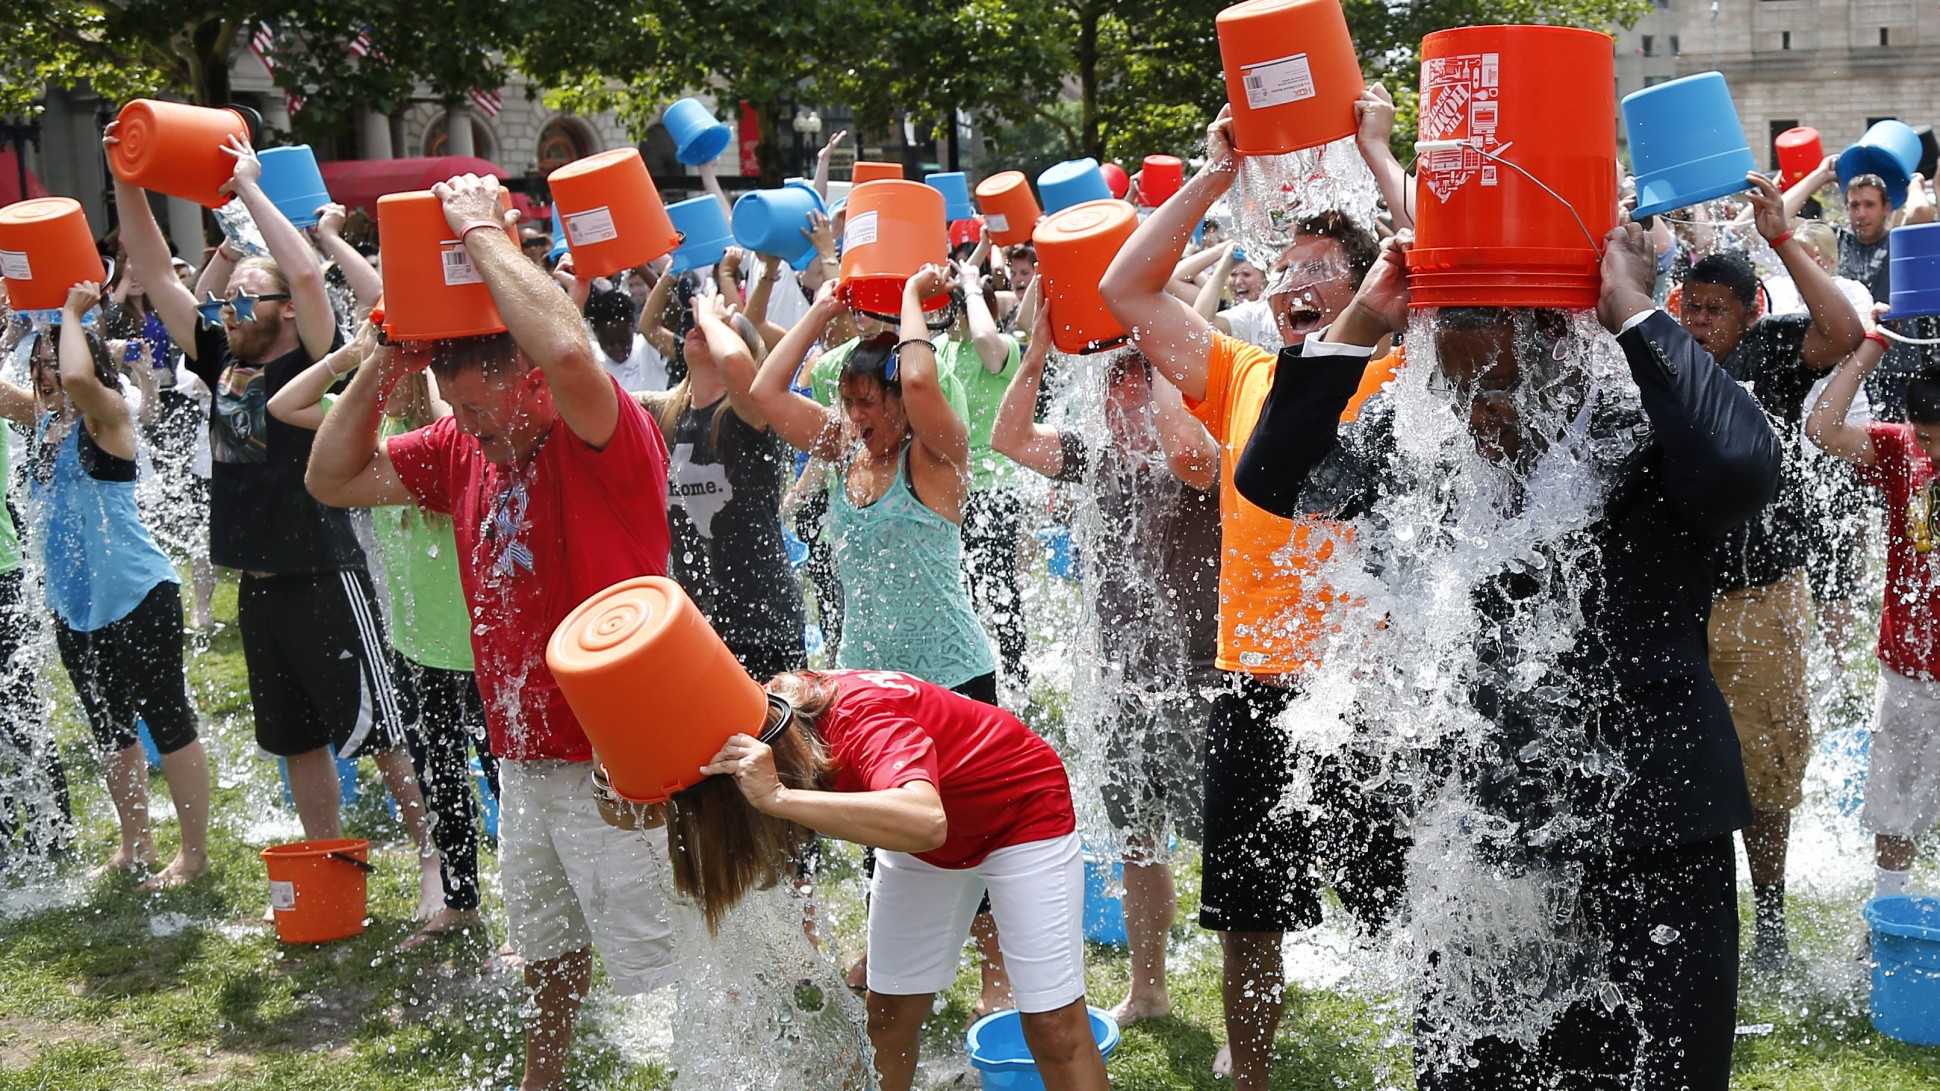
{"x": 1259, "y": 875}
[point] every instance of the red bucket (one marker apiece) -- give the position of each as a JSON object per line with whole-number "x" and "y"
{"x": 1496, "y": 102}
{"x": 1800, "y": 152}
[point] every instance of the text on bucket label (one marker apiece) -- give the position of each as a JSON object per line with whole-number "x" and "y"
{"x": 861, "y": 231}
{"x": 14, "y": 265}
{"x": 1276, "y": 83}
{"x": 997, "y": 221}
{"x": 457, "y": 264}
{"x": 282, "y": 895}
{"x": 591, "y": 226}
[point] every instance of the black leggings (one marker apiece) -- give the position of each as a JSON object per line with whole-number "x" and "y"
{"x": 37, "y": 816}
{"x": 446, "y": 715}
{"x": 990, "y": 520}
{"x": 131, "y": 668}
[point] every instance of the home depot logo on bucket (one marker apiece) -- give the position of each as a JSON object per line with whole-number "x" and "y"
{"x": 1460, "y": 102}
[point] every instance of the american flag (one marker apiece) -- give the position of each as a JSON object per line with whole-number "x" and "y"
{"x": 489, "y": 102}
{"x": 362, "y": 46}
{"x": 262, "y": 41}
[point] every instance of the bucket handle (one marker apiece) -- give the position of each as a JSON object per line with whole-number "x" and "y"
{"x": 1452, "y": 145}
{"x": 1905, "y": 340}
{"x": 365, "y": 866}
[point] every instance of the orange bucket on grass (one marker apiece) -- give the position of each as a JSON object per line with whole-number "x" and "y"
{"x": 1010, "y": 209}
{"x": 1074, "y": 248}
{"x": 318, "y": 889}
{"x": 611, "y": 213}
{"x": 652, "y": 685}
{"x": 1292, "y": 74}
{"x": 1800, "y": 151}
{"x": 431, "y": 289}
{"x": 894, "y": 229}
{"x": 175, "y": 148}
{"x": 1496, "y": 102}
{"x": 868, "y": 170}
{"x": 46, "y": 247}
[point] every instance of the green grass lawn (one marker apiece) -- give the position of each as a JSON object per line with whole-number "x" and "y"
{"x": 105, "y": 989}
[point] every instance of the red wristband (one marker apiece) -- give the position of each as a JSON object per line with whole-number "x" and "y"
{"x": 1879, "y": 339}
{"x": 475, "y": 225}
{"x": 1777, "y": 242}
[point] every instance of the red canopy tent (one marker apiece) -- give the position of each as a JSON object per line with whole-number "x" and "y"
{"x": 358, "y": 183}
{"x": 10, "y": 180}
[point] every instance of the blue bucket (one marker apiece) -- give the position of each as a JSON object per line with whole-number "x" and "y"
{"x": 1846, "y": 752}
{"x": 698, "y": 138}
{"x": 955, "y": 188}
{"x": 812, "y": 639}
{"x": 560, "y": 247}
{"x": 1060, "y": 555}
{"x": 293, "y": 183}
{"x": 1915, "y": 271}
{"x": 1104, "y": 917}
{"x": 1906, "y": 967}
{"x": 704, "y": 234}
{"x": 997, "y": 1049}
{"x": 775, "y": 221}
{"x": 487, "y": 802}
{"x": 1072, "y": 182}
{"x": 346, "y": 782}
{"x": 1890, "y": 149}
{"x": 797, "y": 549}
{"x": 1685, "y": 143}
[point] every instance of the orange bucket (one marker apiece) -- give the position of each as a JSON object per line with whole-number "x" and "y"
{"x": 1010, "y": 210}
{"x": 46, "y": 247}
{"x": 431, "y": 289}
{"x": 175, "y": 148}
{"x": 1292, "y": 74}
{"x": 1486, "y": 233}
{"x": 1074, "y": 248}
{"x": 866, "y": 170}
{"x": 612, "y": 213}
{"x": 1800, "y": 152}
{"x": 318, "y": 889}
{"x": 653, "y": 686}
{"x": 894, "y": 228}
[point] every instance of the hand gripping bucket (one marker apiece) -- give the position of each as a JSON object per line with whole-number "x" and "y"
{"x": 1914, "y": 253}
{"x": 1292, "y": 74}
{"x": 893, "y": 230}
{"x": 1074, "y": 248}
{"x": 1009, "y": 208}
{"x": 175, "y": 148}
{"x": 317, "y": 889}
{"x": 955, "y": 188}
{"x": 1685, "y": 143}
{"x": 652, "y": 685}
{"x": 869, "y": 170}
{"x": 698, "y": 137}
{"x": 431, "y": 289}
{"x": 1906, "y": 967}
{"x": 1116, "y": 180}
{"x": 1517, "y": 167}
{"x": 611, "y": 213}
{"x": 775, "y": 221}
{"x": 293, "y": 183}
{"x": 1890, "y": 149}
{"x": 1800, "y": 152}
{"x": 46, "y": 247}
{"x": 997, "y": 1049}
{"x": 1072, "y": 182}
{"x": 1160, "y": 178}
{"x": 703, "y": 231}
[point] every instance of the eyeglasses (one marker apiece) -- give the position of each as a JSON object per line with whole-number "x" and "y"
{"x": 243, "y": 303}
{"x": 1305, "y": 276}
{"x": 536, "y": 242}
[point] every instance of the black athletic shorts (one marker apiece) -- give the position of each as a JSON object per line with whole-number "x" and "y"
{"x": 1258, "y": 852}
{"x": 131, "y": 668}
{"x": 319, "y": 665}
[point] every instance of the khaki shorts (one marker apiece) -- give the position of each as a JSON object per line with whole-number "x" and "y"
{"x": 1758, "y": 637}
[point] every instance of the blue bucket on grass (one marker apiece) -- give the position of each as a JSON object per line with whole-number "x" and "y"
{"x": 487, "y": 802}
{"x": 697, "y": 135}
{"x": 775, "y": 221}
{"x": 997, "y": 1049}
{"x": 1906, "y": 967}
{"x": 1915, "y": 271}
{"x": 293, "y": 183}
{"x": 1072, "y": 182}
{"x": 346, "y": 782}
{"x": 1685, "y": 143}
{"x": 1890, "y": 149}
{"x": 1104, "y": 916}
{"x": 1847, "y": 750}
{"x": 704, "y": 234}
{"x": 955, "y": 188}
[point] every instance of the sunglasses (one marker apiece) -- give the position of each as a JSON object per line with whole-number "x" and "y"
{"x": 243, "y": 303}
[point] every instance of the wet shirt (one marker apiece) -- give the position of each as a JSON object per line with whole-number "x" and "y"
{"x": 1769, "y": 360}
{"x": 983, "y": 394}
{"x": 1001, "y": 784}
{"x": 261, "y": 518}
{"x": 534, "y": 541}
{"x": 1909, "y": 623}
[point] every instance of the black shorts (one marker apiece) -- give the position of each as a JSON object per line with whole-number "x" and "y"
{"x": 131, "y": 668}
{"x": 1258, "y": 850}
{"x": 319, "y": 666}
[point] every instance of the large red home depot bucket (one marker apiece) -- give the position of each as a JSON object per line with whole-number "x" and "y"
{"x": 611, "y": 213}
{"x": 175, "y": 148}
{"x": 1074, "y": 248}
{"x": 431, "y": 289}
{"x": 1292, "y": 74}
{"x": 1496, "y": 102}
{"x": 46, "y": 247}
{"x": 893, "y": 230}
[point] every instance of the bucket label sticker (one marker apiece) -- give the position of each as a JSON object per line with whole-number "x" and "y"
{"x": 860, "y": 231}
{"x": 591, "y": 226}
{"x": 14, "y": 265}
{"x": 282, "y": 895}
{"x": 1276, "y": 83}
{"x": 458, "y": 264}
{"x": 997, "y": 222}
{"x": 1461, "y": 100}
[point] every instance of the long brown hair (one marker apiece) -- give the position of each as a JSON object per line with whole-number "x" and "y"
{"x": 668, "y": 406}
{"x": 720, "y": 846}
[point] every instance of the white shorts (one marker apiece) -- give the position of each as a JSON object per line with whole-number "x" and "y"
{"x": 1903, "y": 771}
{"x": 573, "y": 882}
{"x": 919, "y": 916}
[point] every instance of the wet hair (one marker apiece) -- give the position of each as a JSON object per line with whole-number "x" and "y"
{"x": 1923, "y": 397}
{"x": 1864, "y": 181}
{"x": 608, "y": 305}
{"x": 1536, "y": 330}
{"x": 47, "y": 349}
{"x": 1355, "y": 242}
{"x": 1730, "y": 270}
{"x": 267, "y": 265}
{"x": 495, "y": 355}
{"x": 870, "y": 361}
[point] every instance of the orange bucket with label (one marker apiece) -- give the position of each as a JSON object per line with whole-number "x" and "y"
{"x": 652, "y": 685}
{"x": 46, "y": 247}
{"x": 1074, "y": 248}
{"x": 894, "y": 229}
{"x": 431, "y": 288}
{"x": 1517, "y": 167}
{"x": 318, "y": 890}
{"x": 868, "y": 170}
{"x": 1292, "y": 74}
{"x": 175, "y": 148}
{"x": 1009, "y": 207}
{"x": 1800, "y": 151}
{"x": 611, "y": 213}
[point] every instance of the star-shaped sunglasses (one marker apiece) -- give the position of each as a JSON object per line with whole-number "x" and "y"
{"x": 243, "y": 303}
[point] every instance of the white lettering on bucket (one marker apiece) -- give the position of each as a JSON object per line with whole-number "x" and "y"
{"x": 1461, "y": 101}
{"x": 861, "y": 231}
{"x": 1276, "y": 83}
{"x": 997, "y": 222}
{"x": 591, "y": 226}
{"x": 458, "y": 264}
{"x": 282, "y": 895}
{"x": 14, "y": 265}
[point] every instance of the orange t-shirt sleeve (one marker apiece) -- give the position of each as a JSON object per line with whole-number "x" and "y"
{"x": 1211, "y": 409}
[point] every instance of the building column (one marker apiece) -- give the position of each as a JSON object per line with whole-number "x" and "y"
{"x": 377, "y": 136}
{"x": 458, "y": 129}
{"x": 185, "y": 229}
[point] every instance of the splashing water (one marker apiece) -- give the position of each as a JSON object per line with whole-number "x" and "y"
{"x": 1273, "y": 193}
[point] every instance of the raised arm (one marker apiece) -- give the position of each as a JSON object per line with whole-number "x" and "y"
{"x": 993, "y": 348}
{"x": 732, "y": 355}
{"x": 104, "y": 407}
{"x": 349, "y": 466}
{"x": 653, "y": 316}
{"x": 1374, "y": 118}
{"x": 1015, "y": 433}
{"x": 712, "y": 184}
{"x": 148, "y": 258}
{"x": 1825, "y": 423}
{"x": 316, "y": 321}
{"x": 365, "y": 282}
{"x": 821, "y": 182}
{"x": 937, "y": 427}
{"x": 1836, "y": 329}
{"x": 1190, "y": 451}
{"x": 300, "y": 401}
{"x": 908, "y": 818}
{"x": 1825, "y": 174}
{"x": 540, "y": 317}
{"x": 806, "y": 424}
{"x": 1207, "y": 300}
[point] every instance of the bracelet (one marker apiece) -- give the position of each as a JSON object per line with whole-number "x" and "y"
{"x": 603, "y": 788}
{"x": 466, "y": 230}
{"x": 1781, "y": 240}
{"x": 1879, "y": 339}
{"x": 923, "y": 341}
{"x": 332, "y": 369}
{"x": 228, "y": 255}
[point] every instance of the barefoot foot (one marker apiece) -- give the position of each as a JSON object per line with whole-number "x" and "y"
{"x": 126, "y": 858}
{"x": 1223, "y": 1064}
{"x": 181, "y": 871}
{"x": 446, "y": 921}
{"x": 431, "y": 892}
{"x": 1137, "y": 1009}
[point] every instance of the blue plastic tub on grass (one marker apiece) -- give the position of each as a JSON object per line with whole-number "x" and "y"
{"x": 997, "y": 1049}
{"x": 1906, "y": 967}
{"x": 1104, "y": 917}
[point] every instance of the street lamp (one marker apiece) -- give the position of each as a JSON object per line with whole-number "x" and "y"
{"x": 808, "y": 132}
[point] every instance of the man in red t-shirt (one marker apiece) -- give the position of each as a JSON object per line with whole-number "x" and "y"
{"x": 557, "y": 488}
